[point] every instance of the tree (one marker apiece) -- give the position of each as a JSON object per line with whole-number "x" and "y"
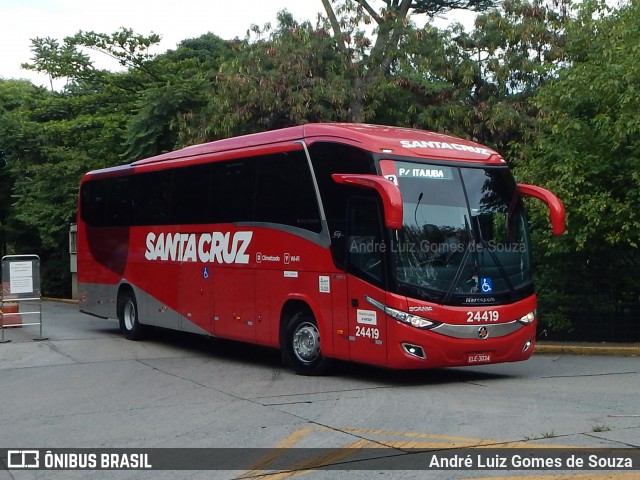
{"x": 18, "y": 139}
{"x": 98, "y": 119}
{"x": 588, "y": 152}
{"x": 479, "y": 84}
{"x": 187, "y": 75}
{"x": 49, "y": 142}
{"x": 55, "y": 60}
{"x": 372, "y": 60}
{"x": 517, "y": 50}
{"x": 296, "y": 72}
{"x": 160, "y": 88}
{"x": 293, "y": 76}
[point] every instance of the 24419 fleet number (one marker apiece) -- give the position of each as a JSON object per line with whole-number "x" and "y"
{"x": 367, "y": 332}
{"x": 486, "y": 316}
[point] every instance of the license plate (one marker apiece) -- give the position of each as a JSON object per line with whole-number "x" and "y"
{"x": 478, "y": 357}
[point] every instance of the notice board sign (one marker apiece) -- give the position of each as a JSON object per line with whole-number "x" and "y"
{"x": 21, "y": 276}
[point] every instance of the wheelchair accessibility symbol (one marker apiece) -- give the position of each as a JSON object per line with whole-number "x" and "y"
{"x": 205, "y": 273}
{"x": 486, "y": 286}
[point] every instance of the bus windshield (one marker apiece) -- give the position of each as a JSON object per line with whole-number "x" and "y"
{"x": 464, "y": 237}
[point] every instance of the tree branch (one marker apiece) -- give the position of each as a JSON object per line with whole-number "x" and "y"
{"x": 369, "y": 10}
{"x": 388, "y": 34}
{"x": 395, "y": 36}
{"x": 434, "y": 7}
{"x": 337, "y": 32}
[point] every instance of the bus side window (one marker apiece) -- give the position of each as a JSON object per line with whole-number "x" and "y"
{"x": 190, "y": 192}
{"x": 94, "y": 202}
{"x": 285, "y": 193}
{"x": 329, "y": 158}
{"x": 122, "y": 201}
{"x": 154, "y": 199}
{"x": 365, "y": 246}
{"x": 232, "y": 191}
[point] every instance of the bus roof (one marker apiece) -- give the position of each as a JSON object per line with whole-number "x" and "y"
{"x": 374, "y": 138}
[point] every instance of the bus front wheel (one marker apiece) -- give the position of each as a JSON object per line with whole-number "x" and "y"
{"x": 301, "y": 349}
{"x": 128, "y": 317}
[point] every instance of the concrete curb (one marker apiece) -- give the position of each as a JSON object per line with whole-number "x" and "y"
{"x": 59, "y": 300}
{"x": 623, "y": 350}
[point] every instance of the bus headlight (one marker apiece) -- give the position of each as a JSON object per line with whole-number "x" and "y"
{"x": 403, "y": 317}
{"x": 528, "y": 318}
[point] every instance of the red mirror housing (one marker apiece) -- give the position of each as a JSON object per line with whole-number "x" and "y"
{"x": 388, "y": 192}
{"x": 556, "y": 208}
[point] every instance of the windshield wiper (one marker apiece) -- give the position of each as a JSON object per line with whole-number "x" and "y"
{"x": 415, "y": 212}
{"x": 458, "y": 275}
{"x": 467, "y": 251}
{"x": 497, "y": 262}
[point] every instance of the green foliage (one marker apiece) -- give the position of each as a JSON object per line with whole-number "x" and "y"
{"x": 49, "y": 140}
{"x": 520, "y": 48}
{"x": 99, "y": 119}
{"x": 55, "y": 60}
{"x": 128, "y": 48}
{"x": 17, "y": 98}
{"x": 480, "y": 84}
{"x": 589, "y": 148}
{"x": 187, "y": 76}
{"x": 588, "y": 152}
{"x": 293, "y": 75}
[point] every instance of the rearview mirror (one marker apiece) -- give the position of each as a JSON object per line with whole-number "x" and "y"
{"x": 556, "y": 208}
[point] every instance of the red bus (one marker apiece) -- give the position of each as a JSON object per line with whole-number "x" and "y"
{"x": 387, "y": 246}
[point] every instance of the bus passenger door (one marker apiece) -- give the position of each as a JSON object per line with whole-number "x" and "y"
{"x": 366, "y": 267}
{"x": 196, "y": 298}
{"x": 234, "y": 300}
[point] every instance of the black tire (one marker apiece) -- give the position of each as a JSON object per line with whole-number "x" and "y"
{"x": 301, "y": 346}
{"x": 128, "y": 317}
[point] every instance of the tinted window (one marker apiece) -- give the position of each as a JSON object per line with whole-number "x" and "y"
{"x": 94, "y": 202}
{"x": 190, "y": 194}
{"x": 233, "y": 187}
{"x": 122, "y": 201}
{"x": 274, "y": 189}
{"x": 327, "y": 159}
{"x": 365, "y": 245}
{"x": 285, "y": 192}
{"x": 154, "y": 198}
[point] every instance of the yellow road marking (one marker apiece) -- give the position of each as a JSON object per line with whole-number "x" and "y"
{"x": 425, "y": 441}
{"x": 447, "y": 441}
{"x": 313, "y": 463}
{"x": 295, "y": 437}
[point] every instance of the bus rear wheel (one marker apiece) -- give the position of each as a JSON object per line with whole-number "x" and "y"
{"x": 301, "y": 346}
{"x": 128, "y": 317}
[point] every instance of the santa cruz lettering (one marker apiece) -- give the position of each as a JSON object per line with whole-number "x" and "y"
{"x": 444, "y": 146}
{"x": 215, "y": 247}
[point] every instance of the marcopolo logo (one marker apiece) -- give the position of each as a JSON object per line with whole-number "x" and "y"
{"x": 215, "y": 247}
